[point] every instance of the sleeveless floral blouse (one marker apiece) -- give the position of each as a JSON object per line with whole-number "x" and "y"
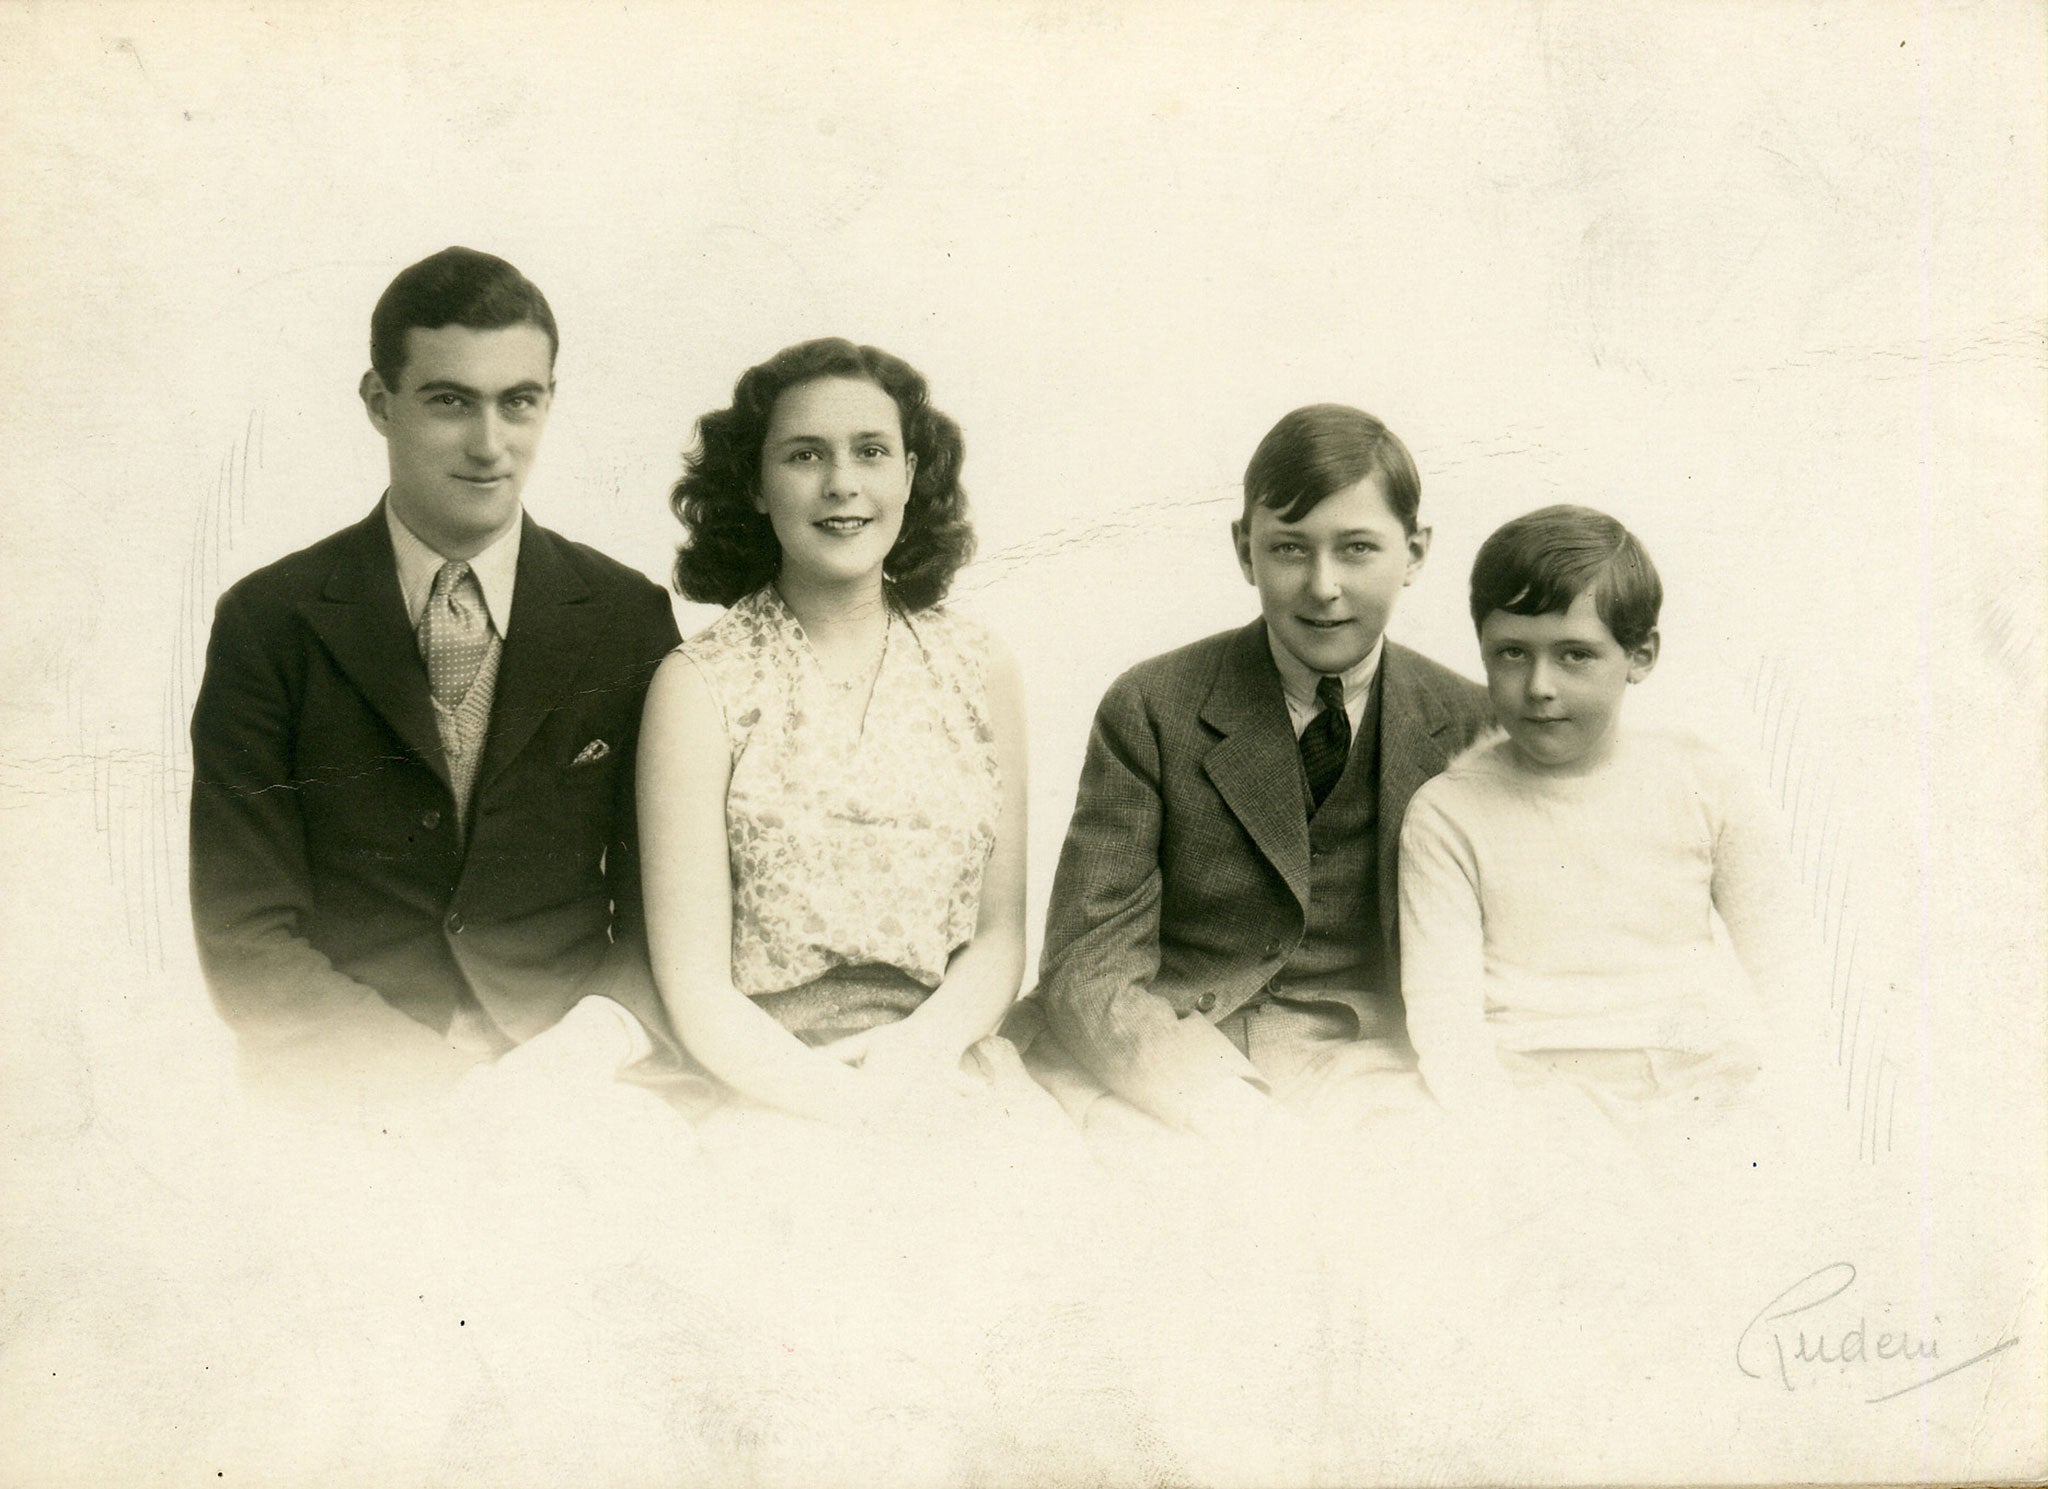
{"x": 854, "y": 844}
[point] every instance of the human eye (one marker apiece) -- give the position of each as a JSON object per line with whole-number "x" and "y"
{"x": 876, "y": 452}
{"x": 1285, "y": 548}
{"x": 1361, "y": 548}
{"x": 1508, "y": 652}
{"x": 1578, "y": 656}
{"x": 800, "y": 456}
{"x": 448, "y": 401}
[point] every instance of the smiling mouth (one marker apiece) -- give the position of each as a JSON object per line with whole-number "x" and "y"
{"x": 1322, "y": 625}
{"x": 842, "y": 524}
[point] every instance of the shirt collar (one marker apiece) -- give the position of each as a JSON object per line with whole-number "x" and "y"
{"x": 495, "y": 569}
{"x": 1300, "y": 684}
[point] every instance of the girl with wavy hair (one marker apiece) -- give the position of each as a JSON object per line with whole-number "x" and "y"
{"x": 832, "y": 774}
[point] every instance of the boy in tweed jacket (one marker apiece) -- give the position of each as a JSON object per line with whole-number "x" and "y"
{"x": 1222, "y": 930}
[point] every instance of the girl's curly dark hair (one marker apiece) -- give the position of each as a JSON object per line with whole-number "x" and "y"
{"x": 729, "y": 549}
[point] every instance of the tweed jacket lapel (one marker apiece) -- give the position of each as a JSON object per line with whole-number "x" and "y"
{"x": 360, "y": 618}
{"x": 1418, "y": 736}
{"x": 552, "y": 627}
{"x": 1255, "y": 764}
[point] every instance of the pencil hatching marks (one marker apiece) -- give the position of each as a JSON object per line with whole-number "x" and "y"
{"x": 1845, "y": 1047}
{"x": 139, "y": 794}
{"x": 1815, "y": 830}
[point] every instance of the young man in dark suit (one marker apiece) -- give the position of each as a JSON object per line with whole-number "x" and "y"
{"x": 1223, "y": 919}
{"x": 412, "y": 806}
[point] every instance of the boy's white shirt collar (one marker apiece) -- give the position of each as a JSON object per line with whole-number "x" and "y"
{"x": 1298, "y": 684}
{"x": 495, "y": 569}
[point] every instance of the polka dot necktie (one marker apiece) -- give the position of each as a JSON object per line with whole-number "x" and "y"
{"x": 455, "y": 632}
{"x": 1326, "y": 742}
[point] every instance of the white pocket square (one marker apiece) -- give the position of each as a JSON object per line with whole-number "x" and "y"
{"x": 591, "y": 753}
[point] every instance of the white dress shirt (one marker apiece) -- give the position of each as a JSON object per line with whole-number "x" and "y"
{"x": 1299, "y": 684}
{"x": 496, "y": 569}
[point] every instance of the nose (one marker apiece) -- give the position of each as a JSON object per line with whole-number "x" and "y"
{"x": 1322, "y": 578}
{"x": 487, "y": 436}
{"x": 842, "y": 480}
{"x": 1542, "y": 684}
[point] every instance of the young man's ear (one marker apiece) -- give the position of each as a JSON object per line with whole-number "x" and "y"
{"x": 1418, "y": 553}
{"x": 1241, "y": 540}
{"x": 376, "y": 400}
{"x": 1642, "y": 658}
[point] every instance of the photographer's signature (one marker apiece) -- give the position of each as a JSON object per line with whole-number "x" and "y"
{"x": 1798, "y": 1332}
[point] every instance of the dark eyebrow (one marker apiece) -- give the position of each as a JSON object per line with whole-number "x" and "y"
{"x": 870, "y": 436}
{"x": 1349, "y": 534}
{"x": 449, "y": 385}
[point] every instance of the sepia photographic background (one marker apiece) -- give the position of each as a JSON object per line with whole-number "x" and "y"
{"x": 1765, "y": 281}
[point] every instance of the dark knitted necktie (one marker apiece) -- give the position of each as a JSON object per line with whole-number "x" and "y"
{"x": 1326, "y": 742}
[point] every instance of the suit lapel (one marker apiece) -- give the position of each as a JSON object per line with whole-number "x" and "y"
{"x": 1255, "y": 765}
{"x": 553, "y": 625}
{"x": 360, "y": 619}
{"x": 1416, "y": 742}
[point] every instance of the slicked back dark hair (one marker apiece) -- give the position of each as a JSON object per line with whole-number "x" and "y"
{"x": 455, "y": 287}
{"x": 729, "y": 549}
{"x": 1540, "y": 563}
{"x": 1318, "y": 451}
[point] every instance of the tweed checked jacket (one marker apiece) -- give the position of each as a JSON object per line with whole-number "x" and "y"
{"x": 1183, "y": 886}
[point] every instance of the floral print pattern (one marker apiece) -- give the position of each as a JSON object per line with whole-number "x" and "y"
{"x": 852, "y": 844}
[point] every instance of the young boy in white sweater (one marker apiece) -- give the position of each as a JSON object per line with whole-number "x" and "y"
{"x": 1561, "y": 880}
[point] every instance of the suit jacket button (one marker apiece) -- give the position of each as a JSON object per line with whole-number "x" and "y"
{"x": 1206, "y": 1002}
{"x": 454, "y": 922}
{"x": 430, "y": 820}
{"x": 1273, "y": 947}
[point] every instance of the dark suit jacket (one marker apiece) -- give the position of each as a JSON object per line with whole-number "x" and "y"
{"x": 339, "y": 915}
{"x": 1183, "y": 885}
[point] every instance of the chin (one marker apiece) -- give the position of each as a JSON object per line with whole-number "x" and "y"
{"x": 1550, "y": 756}
{"x": 840, "y": 568}
{"x": 1327, "y": 654}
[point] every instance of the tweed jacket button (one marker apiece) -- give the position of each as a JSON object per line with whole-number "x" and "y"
{"x": 454, "y": 922}
{"x": 1206, "y": 1002}
{"x": 430, "y": 820}
{"x": 1273, "y": 946}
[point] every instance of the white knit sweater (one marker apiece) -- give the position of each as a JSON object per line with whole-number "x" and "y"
{"x": 1548, "y": 913}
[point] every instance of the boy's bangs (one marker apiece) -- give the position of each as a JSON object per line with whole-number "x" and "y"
{"x": 1551, "y": 591}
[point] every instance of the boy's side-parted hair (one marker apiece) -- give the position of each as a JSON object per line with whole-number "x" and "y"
{"x": 455, "y": 287}
{"x": 729, "y": 549}
{"x": 1318, "y": 451}
{"x": 1541, "y": 562}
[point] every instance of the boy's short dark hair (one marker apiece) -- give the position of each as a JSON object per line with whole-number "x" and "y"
{"x": 455, "y": 287}
{"x": 1540, "y": 563}
{"x": 730, "y": 550}
{"x": 1318, "y": 451}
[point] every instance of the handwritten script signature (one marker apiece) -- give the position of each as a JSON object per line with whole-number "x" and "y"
{"x": 1798, "y": 1331}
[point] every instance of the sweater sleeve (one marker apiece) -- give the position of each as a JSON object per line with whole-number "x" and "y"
{"x": 1443, "y": 956}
